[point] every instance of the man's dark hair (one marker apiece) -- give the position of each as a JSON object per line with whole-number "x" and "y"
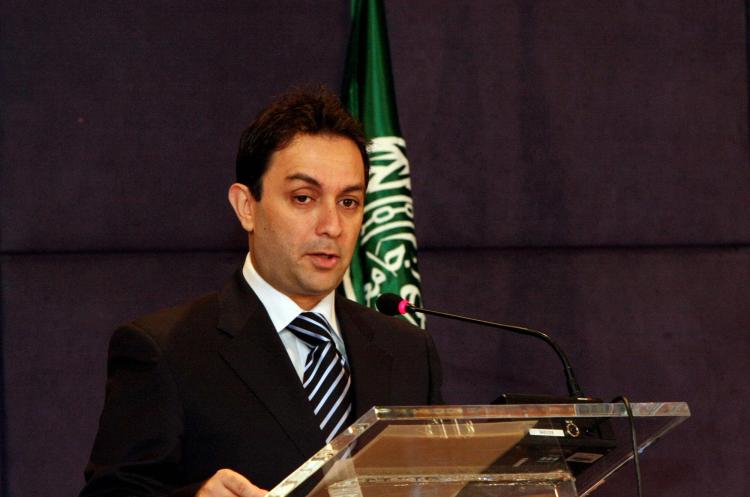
{"x": 311, "y": 110}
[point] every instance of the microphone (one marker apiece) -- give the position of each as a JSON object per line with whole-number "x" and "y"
{"x": 393, "y": 305}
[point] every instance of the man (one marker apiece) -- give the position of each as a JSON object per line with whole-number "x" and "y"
{"x": 226, "y": 395}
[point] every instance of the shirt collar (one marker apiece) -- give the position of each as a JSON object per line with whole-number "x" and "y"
{"x": 281, "y": 309}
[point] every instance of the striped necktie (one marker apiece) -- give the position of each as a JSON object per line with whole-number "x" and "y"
{"x": 326, "y": 378}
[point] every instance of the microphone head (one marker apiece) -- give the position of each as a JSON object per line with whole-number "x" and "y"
{"x": 391, "y": 304}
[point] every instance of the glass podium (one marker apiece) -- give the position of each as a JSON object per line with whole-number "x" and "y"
{"x": 530, "y": 450}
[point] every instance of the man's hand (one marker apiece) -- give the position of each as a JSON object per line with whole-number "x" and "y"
{"x": 228, "y": 483}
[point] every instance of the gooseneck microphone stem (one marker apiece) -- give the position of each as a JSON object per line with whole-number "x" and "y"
{"x": 573, "y": 389}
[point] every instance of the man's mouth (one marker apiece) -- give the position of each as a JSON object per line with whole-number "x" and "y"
{"x": 324, "y": 260}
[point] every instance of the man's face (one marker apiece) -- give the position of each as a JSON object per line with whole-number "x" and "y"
{"x": 305, "y": 227}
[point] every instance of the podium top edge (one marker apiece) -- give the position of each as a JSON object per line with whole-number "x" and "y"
{"x": 586, "y": 410}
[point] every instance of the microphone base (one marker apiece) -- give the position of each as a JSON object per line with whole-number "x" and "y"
{"x": 593, "y": 437}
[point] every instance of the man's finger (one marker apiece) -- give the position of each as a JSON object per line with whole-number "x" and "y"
{"x": 230, "y": 483}
{"x": 240, "y": 485}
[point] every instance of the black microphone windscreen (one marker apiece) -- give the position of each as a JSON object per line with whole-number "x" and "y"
{"x": 389, "y": 303}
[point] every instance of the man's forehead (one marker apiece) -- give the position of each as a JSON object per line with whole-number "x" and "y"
{"x": 318, "y": 157}
{"x": 302, "y": 139}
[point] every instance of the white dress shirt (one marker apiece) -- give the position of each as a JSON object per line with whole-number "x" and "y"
{"x": 283, "y": 310}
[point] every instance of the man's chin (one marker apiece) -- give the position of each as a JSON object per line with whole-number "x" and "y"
{"x": 321, "y": 288}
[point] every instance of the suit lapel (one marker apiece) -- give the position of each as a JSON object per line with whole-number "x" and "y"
{"x": 370, "y": 364}
{"x": 255, "y": 352}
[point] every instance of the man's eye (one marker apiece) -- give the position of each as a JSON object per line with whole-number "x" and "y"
{"x": 302, "y": 199}
{"x": 349, "y": 203}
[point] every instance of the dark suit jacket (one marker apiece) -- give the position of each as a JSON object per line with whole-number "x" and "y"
{"x": 209, "y": 385}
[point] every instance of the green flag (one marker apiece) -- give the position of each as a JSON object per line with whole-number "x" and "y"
{"x": 386, "y": 258}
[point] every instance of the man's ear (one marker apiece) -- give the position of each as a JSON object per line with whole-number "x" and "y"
{"x": 243, "y": 204}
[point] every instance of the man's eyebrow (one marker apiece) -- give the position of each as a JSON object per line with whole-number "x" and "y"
{"x": 354, "y": 188}
{"x": 314, "y": 182}
{"x": 304, "y": 177}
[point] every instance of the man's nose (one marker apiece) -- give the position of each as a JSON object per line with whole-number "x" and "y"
{"x": 329, "y": 220}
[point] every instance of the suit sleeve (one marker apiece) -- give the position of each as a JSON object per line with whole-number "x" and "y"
{"x": 137, "y": 451}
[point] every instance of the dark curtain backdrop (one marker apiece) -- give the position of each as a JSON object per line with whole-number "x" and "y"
{"x": 578, "y": 166}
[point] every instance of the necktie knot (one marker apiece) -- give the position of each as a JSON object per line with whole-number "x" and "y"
{"x": 312, "y": 328}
